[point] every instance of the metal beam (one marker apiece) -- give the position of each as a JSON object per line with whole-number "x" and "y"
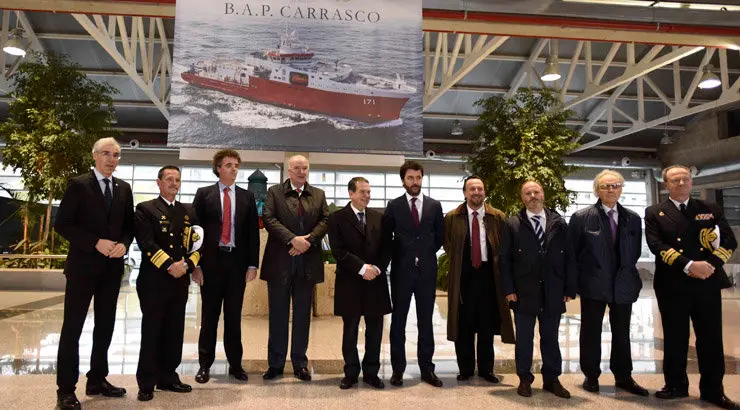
{"x": 571, "y": 122}
{"x": 524, "y": 68}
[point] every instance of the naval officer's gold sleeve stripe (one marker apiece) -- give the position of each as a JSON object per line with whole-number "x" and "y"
{"x": 667, "y": 254}
{"x": 186, "y": 237}
{"x": 673, "y": 258}
{"x": 159, "y": 258}
{"x": 195, "y": 257}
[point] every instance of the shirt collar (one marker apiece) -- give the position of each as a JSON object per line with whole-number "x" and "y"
{"x": 481, "y": 210}
{"x": 295, "y": 188}
{"x": 221, "y": 186}
{"x": 99, "y": 176}
{"x": 356, "y": 211}
{"x": 418, "y": 198}
{"x": 166, "y": 201}
{"x": 531, "y": 214}
{"x": 607, "y": 209}
{"x": 678, "y": 204}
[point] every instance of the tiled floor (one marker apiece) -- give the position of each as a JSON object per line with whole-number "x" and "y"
{"x": 30, "y": 323}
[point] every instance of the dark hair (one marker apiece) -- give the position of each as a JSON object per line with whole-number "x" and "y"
{"x": 160, "y": 174}
{"x": 218, "y": 158}
{"x": 469, "y": 177}
{"x": 352, "y": 185}
{"x": 411, "y": 165}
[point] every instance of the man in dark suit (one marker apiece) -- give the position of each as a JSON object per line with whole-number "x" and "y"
{"x": 539, "y": 276}
{"x": 606, "y": 239}
{"x": 230, "y": 257}
{"x": 691, "y": 240}
{"x": 475, "y": 296}
{"x": 361, "y": 287}
{"x": 96, "y": 217}
{"x": 296, "y": 218}
{"x": 415, "y": 225}
{"x": 164, "y": 232}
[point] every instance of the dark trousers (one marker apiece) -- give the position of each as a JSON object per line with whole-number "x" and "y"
{"x": 592, "y": 317}
{"x": 224, "y": 286}
{"x": 549, "y": 347}
{"x": 373, "y": 334}
{"x": 703, "y": 306}
{"x": 162, "y": 329}
{"x": 279, "y": 296}
{"x": 80, "y": 289}
{"x": 423, "y": 289}
{"x": 478, "y": 314}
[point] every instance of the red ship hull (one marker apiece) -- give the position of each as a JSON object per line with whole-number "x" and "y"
{"x": 370, "y": 109}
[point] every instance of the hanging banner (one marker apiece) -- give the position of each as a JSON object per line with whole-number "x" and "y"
{"x": 300, "y": 75}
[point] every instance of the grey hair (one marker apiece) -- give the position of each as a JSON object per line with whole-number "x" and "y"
{"x": 674, "y": 166}
{"x": 105, "y": 141}
{"x": 604, "y": 173}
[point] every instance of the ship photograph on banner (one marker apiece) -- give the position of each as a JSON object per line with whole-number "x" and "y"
{"x": 298, "y": 75}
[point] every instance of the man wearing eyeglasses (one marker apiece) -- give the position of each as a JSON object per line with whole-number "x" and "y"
{"x": 606, "y": 238}
{"x": 96, "y": 217}
{"x": 691, "y": 240}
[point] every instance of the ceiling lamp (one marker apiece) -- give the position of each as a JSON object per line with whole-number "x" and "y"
{"x": 666, "y": 140}
{"x": 14, "y": 45}
{"x": 709, "y": 79}
{"x": 551, "y": 73}
{"x": 457, "y": 129}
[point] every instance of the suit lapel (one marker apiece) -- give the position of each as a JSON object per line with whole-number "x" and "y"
{"x": 349, "y": 214}
{"x": 549, "y": 227}
{"x": 95, "y": 185}
{"x": 674, "y": 214}
{"x": 216, "y": 208}
{"x": 238, "y": 199}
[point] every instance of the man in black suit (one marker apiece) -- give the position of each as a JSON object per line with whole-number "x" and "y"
{"x": 165, "y": 234}
{"x": 361, "y": 287}
{"x": 415, "y": 225}
{"x": 691, "y": 240}
{"x": 230, "y": 257}
{"x": 296, "y": 218}
{"x": 96, "y": 217}
{"x": 606, "y": 239}
{"x": 539, "y": 275}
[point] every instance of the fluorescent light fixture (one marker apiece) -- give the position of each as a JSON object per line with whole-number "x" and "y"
{"x": 14, "y": 45}
{"x": 709, "y": 79}
{"x": 457, "y": 129}
{"x": 662, "y": 4}
{"x": 551, "y": 72}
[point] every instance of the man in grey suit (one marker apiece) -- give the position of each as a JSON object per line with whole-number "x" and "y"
{"x": 296, "y": 218}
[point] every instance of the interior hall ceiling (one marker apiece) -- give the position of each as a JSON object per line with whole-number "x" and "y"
{"x": 629, "y": 80}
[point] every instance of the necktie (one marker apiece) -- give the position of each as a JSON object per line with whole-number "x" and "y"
{"x": 414, "y": 212}
{"x": 538, "y": 231}
{"x": 226, "y": 218}
{"x": 107, "y": 196}
{"x": 361, "y": 215}
{"x": 300, "y": 205}
{"x": 475, "y": 241}
{"x": 613, "y": 224}
{"x": 682, "y": 207}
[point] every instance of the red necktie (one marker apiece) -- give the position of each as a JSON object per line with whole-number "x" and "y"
{"x": 475, "y": 241}
{"x": 414, "y": 213}
{"x": 226, "y": 215}
{"x": 300, "y": 205}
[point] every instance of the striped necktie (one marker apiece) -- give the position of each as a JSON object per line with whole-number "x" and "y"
{"x": 538, "y": 231}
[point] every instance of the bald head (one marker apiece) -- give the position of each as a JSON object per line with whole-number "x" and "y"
{"x": 298, "y": 170}
{"x": 533, "y": 196}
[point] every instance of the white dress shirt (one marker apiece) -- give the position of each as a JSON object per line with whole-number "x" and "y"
{"x": 615, "y": 216}
{"x": 419, "y": 202}
{"x": 678, "y": 206}
{"x": 357, "y": 211}
{"x": 482, "y": 243}
{"x": 543, "y": 219}
{"x": 100, "y": 177}
{"x": 166, "y": 201}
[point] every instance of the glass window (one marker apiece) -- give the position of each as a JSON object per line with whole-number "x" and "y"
{"x": 146, "y": 186}
{"x": 316, "y": 177}
{"x": 146, "y": 172}
{"x": 197, "y": 174}
{"x": 446, "y": 181}
{"x": 447, "y": 194}
{"x": 124, "y": 172}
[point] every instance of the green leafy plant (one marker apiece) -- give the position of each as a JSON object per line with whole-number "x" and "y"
{"x": 443, "y": 269}
{"x": 522, "y": 138}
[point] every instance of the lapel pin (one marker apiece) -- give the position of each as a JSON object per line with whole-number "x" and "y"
{"x": 661, "y": 213}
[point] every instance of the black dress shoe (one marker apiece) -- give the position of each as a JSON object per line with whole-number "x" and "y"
{"x": 490, "y": 378}
{"x": 302, "y": 374}
{"x": 463, "y": 377}
{"x": 272, "y": 373}
{"x": 432, "y": 379}
{"x": 347, "y": 383}
{"x": 669, "y": 393}
{"x": 525, "y": 388}
{"x": 203, "y": 375}
{"x": 722, "y": 402}
{"x": 631, "y": 386}
{"x": 238, "y": 373}
{"x": 374, "y": 381}
{"x": 556, "y": 388}
{"x": 397, "y": 379}
{"x": 591, "y": 384}
{"x": 145, "y": 395}
{"x": 177, "y": 387}
{"x": 106, "y": 389}
{"x": 68, "y": 401}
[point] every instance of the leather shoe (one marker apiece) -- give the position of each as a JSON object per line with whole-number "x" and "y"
{"x": 631, "y": 386}
{"x": 271, "y": 373}
{"x": 238, "y": 373}
{"x": 203, "y": 375}
{"x": 68, "y": 401}
{"x": 463, "y": 377}
{"x": 397, "y": 379}
{"x": 302, "y": 374}
{"x": 145, "y": 395}
{"x": 669, "y": 393}
{"x": 177, "y": 387}
{"x": 722, "y": 402}
{"x": 525, "y": 388}
{"x": 373, "y": 381}
{"x": 556, "y": 388}
{"x": 347, "y": 383}
{"x": 432, "y": 379}
{"x": 591, "y": 384}
{"x": 491, "y": 378}
{"x": 106, "y": 389}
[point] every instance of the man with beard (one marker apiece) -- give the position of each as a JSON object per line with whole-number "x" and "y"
{"x": 539, "y": 276}
{"x": 475, "y": 296}
{"x": 415, "y": 225}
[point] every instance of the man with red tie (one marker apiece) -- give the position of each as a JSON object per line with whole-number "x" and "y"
{"x": 230, "y": 256}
